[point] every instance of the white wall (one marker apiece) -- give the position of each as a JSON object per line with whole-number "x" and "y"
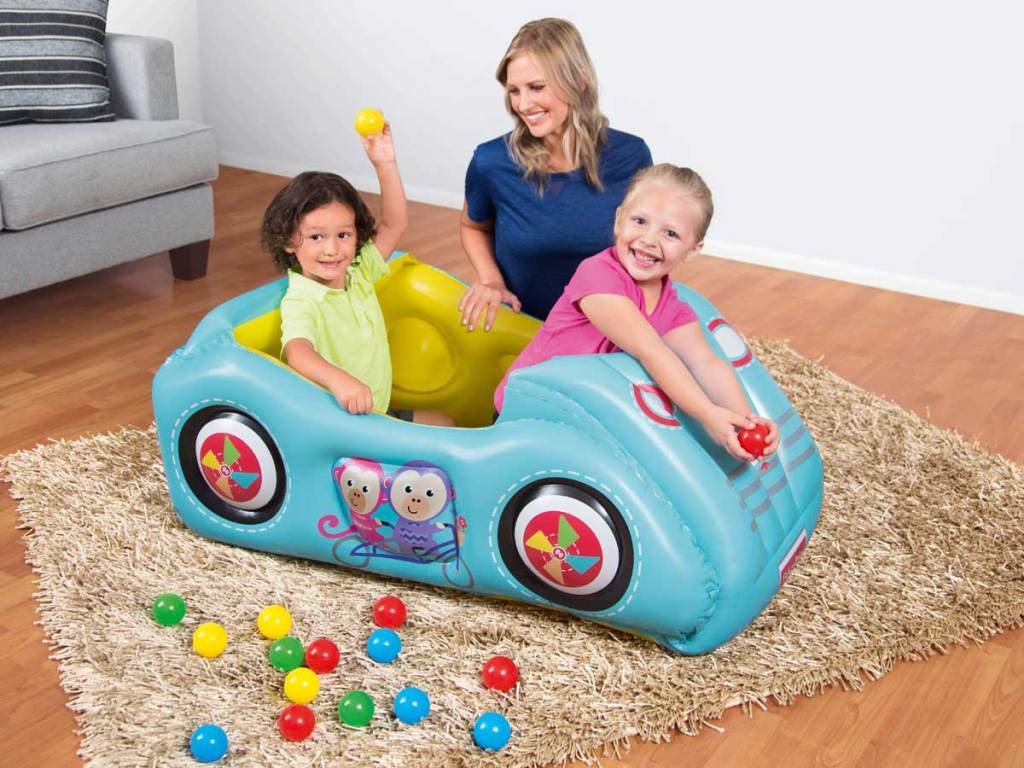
{"x": 881, "y": 143}
{"x": 176, "y": 21}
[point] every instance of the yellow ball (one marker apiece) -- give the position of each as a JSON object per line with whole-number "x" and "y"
{"x": 274, "y": 622}
{"x": 369, "y": 122}
{"x": 209, "y": 640}
{"x": 301, "y": 685}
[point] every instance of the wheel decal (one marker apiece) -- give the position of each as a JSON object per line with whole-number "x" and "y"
{"x": 567, "y": 544}
{"x": 224, "y": 467}
{"x": 570, "y": 560}
{"x": 236, "y": 463}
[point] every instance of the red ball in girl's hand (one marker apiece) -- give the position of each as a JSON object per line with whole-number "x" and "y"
{"x": 296, "y": 722}
{"x": 389, "y": 612}
{"x": 322, "y": 656}
{"x": 501, "y": 673}
{"x": 752, "y": 440}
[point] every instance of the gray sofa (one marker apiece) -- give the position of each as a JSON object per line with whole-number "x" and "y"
{"x": 79, "y": 197}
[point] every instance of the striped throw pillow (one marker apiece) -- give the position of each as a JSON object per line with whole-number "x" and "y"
{"x": 53, "y": 68}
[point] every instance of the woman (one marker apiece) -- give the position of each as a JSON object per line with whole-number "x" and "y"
{"x": 542, "y": 198}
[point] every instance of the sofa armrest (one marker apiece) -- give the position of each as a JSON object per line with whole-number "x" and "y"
{"x": 141, "y": 73}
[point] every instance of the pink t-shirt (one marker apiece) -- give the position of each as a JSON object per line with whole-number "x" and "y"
{"x": 568, "y": 331}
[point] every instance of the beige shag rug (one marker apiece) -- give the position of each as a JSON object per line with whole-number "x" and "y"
{"x": 920, "y": 544}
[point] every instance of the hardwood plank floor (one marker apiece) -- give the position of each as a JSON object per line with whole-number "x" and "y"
{"x": 78, "y": 358}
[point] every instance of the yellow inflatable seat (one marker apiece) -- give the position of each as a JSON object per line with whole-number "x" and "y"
{"x": 436, "y": 362}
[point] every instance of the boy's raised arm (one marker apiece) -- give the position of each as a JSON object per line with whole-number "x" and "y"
{"x": 380, "y": 149}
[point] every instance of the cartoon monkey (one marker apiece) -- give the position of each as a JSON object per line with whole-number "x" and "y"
{"x": 362, "y": 486}
{"x": 420, "y": 492}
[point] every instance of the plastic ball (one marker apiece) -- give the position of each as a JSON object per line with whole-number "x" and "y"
{"x": 384, "y": 645}
{"x": 168, "y": 609}
{"x": 369, "y": 121}
{"x": 322, "y": 656}
{"x": 389, "y": 612}
{"x": 296, "y": 722}
{"x": 356, "y": 709}
{"x": 285, "y": 654}
{"x": 491, "y": 731}
{"x": 412, "y": 705}
{"x": 209, "y": 640}
{"x": 301, "y": 685}
{"x": 274, "y": 622}
{"x": 209, "y": 743}
{"x": 500, "y": 673}
{"x": 752, "y": 440}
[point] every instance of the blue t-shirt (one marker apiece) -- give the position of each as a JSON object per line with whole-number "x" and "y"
{"x": 540, "y": 240}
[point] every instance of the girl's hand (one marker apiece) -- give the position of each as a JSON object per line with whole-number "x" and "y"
{"x": 379, "y": 147}
{"x": 352, "y": 394}
{"x": 771, "y": 443}
{"x": 721, "y": 425}
{"x": 489, "y": 296}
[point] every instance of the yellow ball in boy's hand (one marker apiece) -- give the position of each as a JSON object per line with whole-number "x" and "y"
{"x": 369, "y": 122}
{"x": 209, "y": 640}
{"x": 274, "y": 622}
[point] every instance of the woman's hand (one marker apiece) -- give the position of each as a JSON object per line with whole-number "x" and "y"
{"x": 379, "y": 147}
{"x": 485, "y": 296}
{"x": 351, "y": 393}
{"x": 721, "y": 425}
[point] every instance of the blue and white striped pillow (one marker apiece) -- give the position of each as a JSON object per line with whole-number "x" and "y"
{"x": 53, "y": 67}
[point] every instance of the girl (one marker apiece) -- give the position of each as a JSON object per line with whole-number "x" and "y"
{"x": 319, "y": 230}
{"x": 542, "y": 198}
{"x": 622, "y": 300}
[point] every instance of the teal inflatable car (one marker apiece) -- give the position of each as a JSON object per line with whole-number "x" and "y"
{"x": 590, "y": 494}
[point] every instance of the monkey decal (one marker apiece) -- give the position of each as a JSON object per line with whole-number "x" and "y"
{"x": 363, "y": 488}
{"x": 420, "y": 492}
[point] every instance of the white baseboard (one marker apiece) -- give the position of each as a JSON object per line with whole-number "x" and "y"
{"x": 876, "y": 278}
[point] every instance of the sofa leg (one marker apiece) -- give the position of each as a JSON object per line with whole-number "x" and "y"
{"x": 189, "y": 261}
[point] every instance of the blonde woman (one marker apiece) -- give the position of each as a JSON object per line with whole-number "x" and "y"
{"x": 542, "y": 198}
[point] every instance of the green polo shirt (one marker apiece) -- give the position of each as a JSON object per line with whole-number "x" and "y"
{"x": 345, "y": 326}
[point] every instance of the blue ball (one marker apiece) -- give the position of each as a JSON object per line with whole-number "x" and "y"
{"x": 491, "y": 731}
{"x": 384, "y": 645}
{"x": 209, "y": 743}
{"x": 412, "y": 705}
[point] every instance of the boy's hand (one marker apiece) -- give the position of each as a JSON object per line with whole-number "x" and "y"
{"x": 352, "y": 394}
{"x": 721, "y": 425}
{"x": 379, "y": 147}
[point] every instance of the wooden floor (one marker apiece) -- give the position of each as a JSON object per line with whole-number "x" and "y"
{"x": 78, "y": 357}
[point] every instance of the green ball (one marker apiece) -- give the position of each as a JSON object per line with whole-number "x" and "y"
{"x": 286, "y": 654}
{"x": 356, "y": 709}
{"x": 168, "y": 609}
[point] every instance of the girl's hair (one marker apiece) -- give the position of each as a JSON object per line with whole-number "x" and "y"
{"x": 558, "y": 49}
{"x": 686, "y": 180}
{"x": 307, "y": 192}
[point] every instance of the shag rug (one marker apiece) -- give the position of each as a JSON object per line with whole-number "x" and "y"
{"x": 920, "y": 545}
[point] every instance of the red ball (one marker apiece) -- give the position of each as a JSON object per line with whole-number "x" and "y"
{"x": 296, "y": 722}
{"x": 752, "y": 440}
{"x": 389, "y": 612}
{"x": 322, "y": 656}
{"x": 501, "y": 673}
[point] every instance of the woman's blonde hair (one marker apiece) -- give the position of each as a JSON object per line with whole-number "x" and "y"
{"x": 558, "y": 49}
{"x": 686, "y": 180}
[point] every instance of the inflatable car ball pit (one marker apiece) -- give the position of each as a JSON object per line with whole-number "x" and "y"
{"x": 590, "y": 494}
